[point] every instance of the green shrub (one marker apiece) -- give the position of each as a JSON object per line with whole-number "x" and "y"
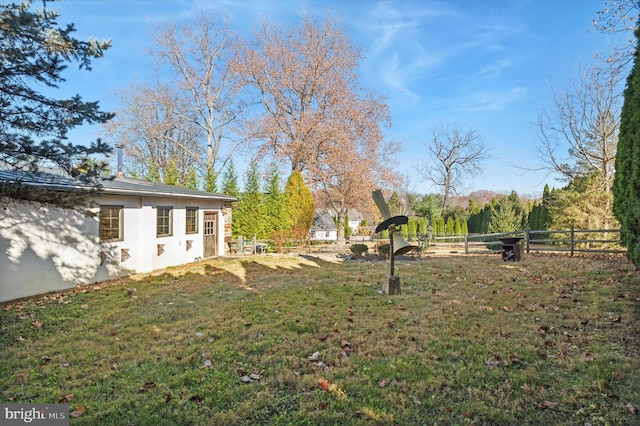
{"x": 359, "y": 249}
{"x": 383, "y": 249}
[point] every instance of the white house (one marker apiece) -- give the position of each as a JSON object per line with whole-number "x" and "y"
{"x": 323, "y": 228}
{"x": 138, "y": 226}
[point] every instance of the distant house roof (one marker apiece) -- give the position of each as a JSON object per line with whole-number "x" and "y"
{"x": 110, "y": 185}
{"x": 323, "y": 222}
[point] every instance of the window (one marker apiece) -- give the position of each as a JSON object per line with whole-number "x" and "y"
{"x": 192, "y": 220}
{"x": 164, "y": 222}
{"x": 111, "y": 225}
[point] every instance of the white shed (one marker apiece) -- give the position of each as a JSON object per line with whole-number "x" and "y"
{"x": 138, "y": 226}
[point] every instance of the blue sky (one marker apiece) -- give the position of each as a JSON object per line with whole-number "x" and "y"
{"x": 487, "y": 65}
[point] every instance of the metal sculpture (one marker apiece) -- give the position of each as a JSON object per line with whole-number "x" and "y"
{"x": 397, "y": 244}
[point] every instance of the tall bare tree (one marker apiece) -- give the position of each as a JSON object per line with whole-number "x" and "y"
{"x": 156, "y": 139}
{"x": 457, "y": 154}
{"x": 578, "y": 135}
{"x": 203, "y": 59}
{"x": 316, "y": 115}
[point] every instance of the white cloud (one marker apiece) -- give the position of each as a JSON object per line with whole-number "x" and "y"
{"x": 490, "y": 100}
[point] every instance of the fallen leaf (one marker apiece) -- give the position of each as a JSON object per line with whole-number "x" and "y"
{"x": 146, "y": 386}
{"x": 246, "y": 379}
{"x": 514, "y": 359}
{"x": 417, "y": 401}
{"x": 196, "y": 398}
{"x": 36, "y": 324}
{"x": 78, "y": 411}
{"x": 21, "y": 378}
{"x": 84, "y": 306}
{"x": 65, "y": 399}
{"x": 507, "y": 309}
{"x": 254, "y": 376}
{"x": 549, "y": 404}
{"x": 207, "y": 363}
{"x": 65, "y": 365}
{"x": 169, "y": 397}
{"x": 632, "y": 408}
{"x": 382, "y": 383}
{"x": 588, "y": 357}
{"x": 324, "y": 384}
{"x": 315, "y": 356}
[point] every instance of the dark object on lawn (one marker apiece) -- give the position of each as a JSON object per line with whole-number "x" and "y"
{"x": 511, "y": 248}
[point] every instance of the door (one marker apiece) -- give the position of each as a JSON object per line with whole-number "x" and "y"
{"x": 210, "y": 234}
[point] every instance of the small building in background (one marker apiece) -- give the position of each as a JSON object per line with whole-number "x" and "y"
{"x": 323, "y": 228}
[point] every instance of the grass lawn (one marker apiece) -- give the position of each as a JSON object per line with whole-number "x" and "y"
{"x": 292, "y": 340}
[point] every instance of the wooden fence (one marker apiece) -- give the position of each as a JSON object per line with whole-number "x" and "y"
{"x": 564, "y": 240}
{"x": 561, "y": 240}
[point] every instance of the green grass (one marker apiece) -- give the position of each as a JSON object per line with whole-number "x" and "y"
{"x": 471, "y": 340}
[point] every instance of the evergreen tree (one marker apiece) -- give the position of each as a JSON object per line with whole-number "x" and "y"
{"x": 412, "y": 227}
{"x": 457, "y": 227}
{"x": 249, "y": 217}
{"x": 171, "y": 174}
{"x": 507, "y": 215}
{"x": 347, "y": 228}
{"x": 626, "y": 187}
{"x": 540, "y": 215}
{"x": 300, "y": 206}
{"x": 33, "y": 125}
{"x": 152, "y": 174}
{"x": 230, "y": 180}
{"x": 449, "y": 227}
{"x": 210, "y": 180}
{"x": 275, "y": 204}
{"x": 191, "y": 179}
{"x": 439, "y": 226}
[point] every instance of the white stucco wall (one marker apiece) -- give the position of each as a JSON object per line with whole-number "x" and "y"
{"x": 47, "y": 249}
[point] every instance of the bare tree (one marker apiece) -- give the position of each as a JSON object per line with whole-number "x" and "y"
{"x": 457, "y": 154}
{"x": 203, "y": 58}
{"x": 157, "y": 141}
{"x": 315, "y": 115}
{"x": 619, "y": 17}
{"x": 578, "y": 136}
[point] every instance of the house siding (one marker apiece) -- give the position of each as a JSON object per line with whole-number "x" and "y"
{"x": 46, "y": 249}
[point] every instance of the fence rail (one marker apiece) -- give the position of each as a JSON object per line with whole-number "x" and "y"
{"x": 556, "y": 240}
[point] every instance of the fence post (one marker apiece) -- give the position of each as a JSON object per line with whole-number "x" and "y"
{"x": 572, "y": 239}
{"x": 466, "y": 243}
{"x": 528, "y": 237}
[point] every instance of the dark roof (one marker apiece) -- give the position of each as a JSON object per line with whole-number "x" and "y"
{"x": 323, "y": 222}
{"x": 52, "y": 179}
{"x": 56, "y": 180}
{"x": 128, "y": 186}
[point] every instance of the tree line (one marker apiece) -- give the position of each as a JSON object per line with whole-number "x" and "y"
{"x": 292, "y": 93}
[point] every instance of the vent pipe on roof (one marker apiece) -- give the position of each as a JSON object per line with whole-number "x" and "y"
{"x": 120, "y": 173}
